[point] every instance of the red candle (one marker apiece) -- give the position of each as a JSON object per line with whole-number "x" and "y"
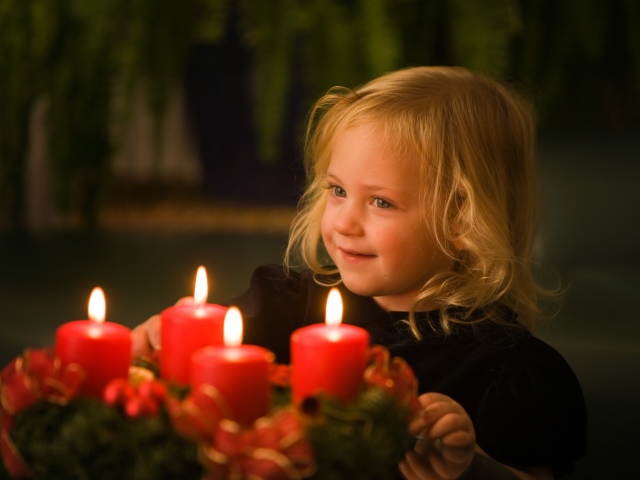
{"x": 240, "y": 373}
{"x": 329, "y": 358}
{"x": 102, "y": 349}
{"x": 187, "y": 327}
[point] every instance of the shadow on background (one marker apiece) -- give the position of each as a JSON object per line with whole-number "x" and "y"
{"x": 591, "y": 234}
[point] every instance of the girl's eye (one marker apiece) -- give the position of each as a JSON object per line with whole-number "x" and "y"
{"x": 338, "y": 191}
{"x": 381, "y": 203}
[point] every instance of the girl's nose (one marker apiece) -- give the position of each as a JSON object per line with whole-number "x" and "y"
{"x": 348, "y": 220}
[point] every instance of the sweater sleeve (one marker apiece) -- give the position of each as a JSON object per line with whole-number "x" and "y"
{"x": 534, "y": 413}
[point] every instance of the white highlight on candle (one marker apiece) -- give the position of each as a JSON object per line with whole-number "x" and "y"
{"x": 202, "y": 287}
{"x": 97, "y": 305}
{"x": 233, "y": 327}
{"x": 334, "y": 308}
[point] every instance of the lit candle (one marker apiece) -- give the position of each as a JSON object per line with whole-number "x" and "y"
{"x": 329, "y": 358}
{"x": 240, "y": 373}
{"x": 102, "y": 349}
{"x": 185, "y": 328}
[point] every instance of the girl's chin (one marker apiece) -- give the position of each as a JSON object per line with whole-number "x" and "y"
{"x": 358, "y": 287}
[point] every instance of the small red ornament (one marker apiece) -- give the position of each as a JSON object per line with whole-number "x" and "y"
{"x": 139, "y": 406}
{"x": 153, "y": 389}
{"x": 118, "y": 392}
{"x": 143, "y": 400}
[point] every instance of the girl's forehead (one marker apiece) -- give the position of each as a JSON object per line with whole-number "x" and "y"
{"x": 389, "y": 133}
{"x": 359, "y": 136}
{"x": 362, "y": 148}
{"x": 369, "y": 136}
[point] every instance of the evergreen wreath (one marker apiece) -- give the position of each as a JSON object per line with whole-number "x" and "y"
{"x": 144, "y": 428}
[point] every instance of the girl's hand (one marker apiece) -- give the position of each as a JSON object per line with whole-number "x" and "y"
{"x": 145, "y": 337}
{"x": 447, "y": 440}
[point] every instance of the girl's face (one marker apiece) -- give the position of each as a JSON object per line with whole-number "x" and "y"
{"x": 372, "y": 225}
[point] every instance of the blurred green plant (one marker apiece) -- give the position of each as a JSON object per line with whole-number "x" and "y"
{"x": 85, "y": 58}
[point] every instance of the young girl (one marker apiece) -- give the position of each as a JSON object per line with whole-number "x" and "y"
{"x": 420, "y": 206}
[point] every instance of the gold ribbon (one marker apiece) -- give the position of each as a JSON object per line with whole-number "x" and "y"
{"x": 274, "y": 448}
{"x": 34, "y": 376}
{"x": 394, "y": 376}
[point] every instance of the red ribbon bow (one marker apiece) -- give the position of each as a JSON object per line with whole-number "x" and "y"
{"x": 394, "y": 376}
{"x": 275, "y": 448}
{"x": 198, "y": 415}
{"x": 36, "y": 375}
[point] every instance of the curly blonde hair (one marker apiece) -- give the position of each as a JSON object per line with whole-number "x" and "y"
{"x": 476, "y": 139}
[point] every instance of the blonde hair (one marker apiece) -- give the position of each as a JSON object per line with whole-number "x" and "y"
{"x": 476, "y": 139}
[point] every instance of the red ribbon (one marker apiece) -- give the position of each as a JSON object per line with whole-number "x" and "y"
{"x": 394, "y": 376}
{"x": 36, "y": 375}
{"x": 198, "y": 415}
{"x": 13, "y": 461}
{"x": 275, "y": 448}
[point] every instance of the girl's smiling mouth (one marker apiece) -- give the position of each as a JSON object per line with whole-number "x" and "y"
{"x": 353, "y": 256}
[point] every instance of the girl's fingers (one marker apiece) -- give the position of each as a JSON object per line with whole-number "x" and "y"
{"x": 139, "y": 343}
{"x": 460, "y": 439}
{"x": 153, "y": 332}
{"x": 427, "y": 399}
{"x": 433, "y": 412}
{"x": 445, "y": 420}
{"x": 145, "y": 338}
{"x": 453, "y": 429}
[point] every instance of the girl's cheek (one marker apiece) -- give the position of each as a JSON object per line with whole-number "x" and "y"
{"x": 325, "y": 226}
{"x": 325, "y": 233}
{"x": 326, "y": 240}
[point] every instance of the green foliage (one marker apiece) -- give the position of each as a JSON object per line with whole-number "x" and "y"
{"x": 364, "y": 440}
{"x": 482, "y": 32}
{"x": 381, "y": 45}
{"x": 89, "y": 440}
{"x": 583, "y": 63}
{"x": 85, "y": 58}
{"x": 73, "y": 54}
{"x": 22, "y": 47}
{"x": 272, "y": 37}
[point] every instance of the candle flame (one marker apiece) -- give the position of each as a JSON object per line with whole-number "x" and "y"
{"x": 97, "y": 305}
{"x": 202, "y": 287}
{"x": 334, "y": 308}
{"x": 233, "y": 327}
